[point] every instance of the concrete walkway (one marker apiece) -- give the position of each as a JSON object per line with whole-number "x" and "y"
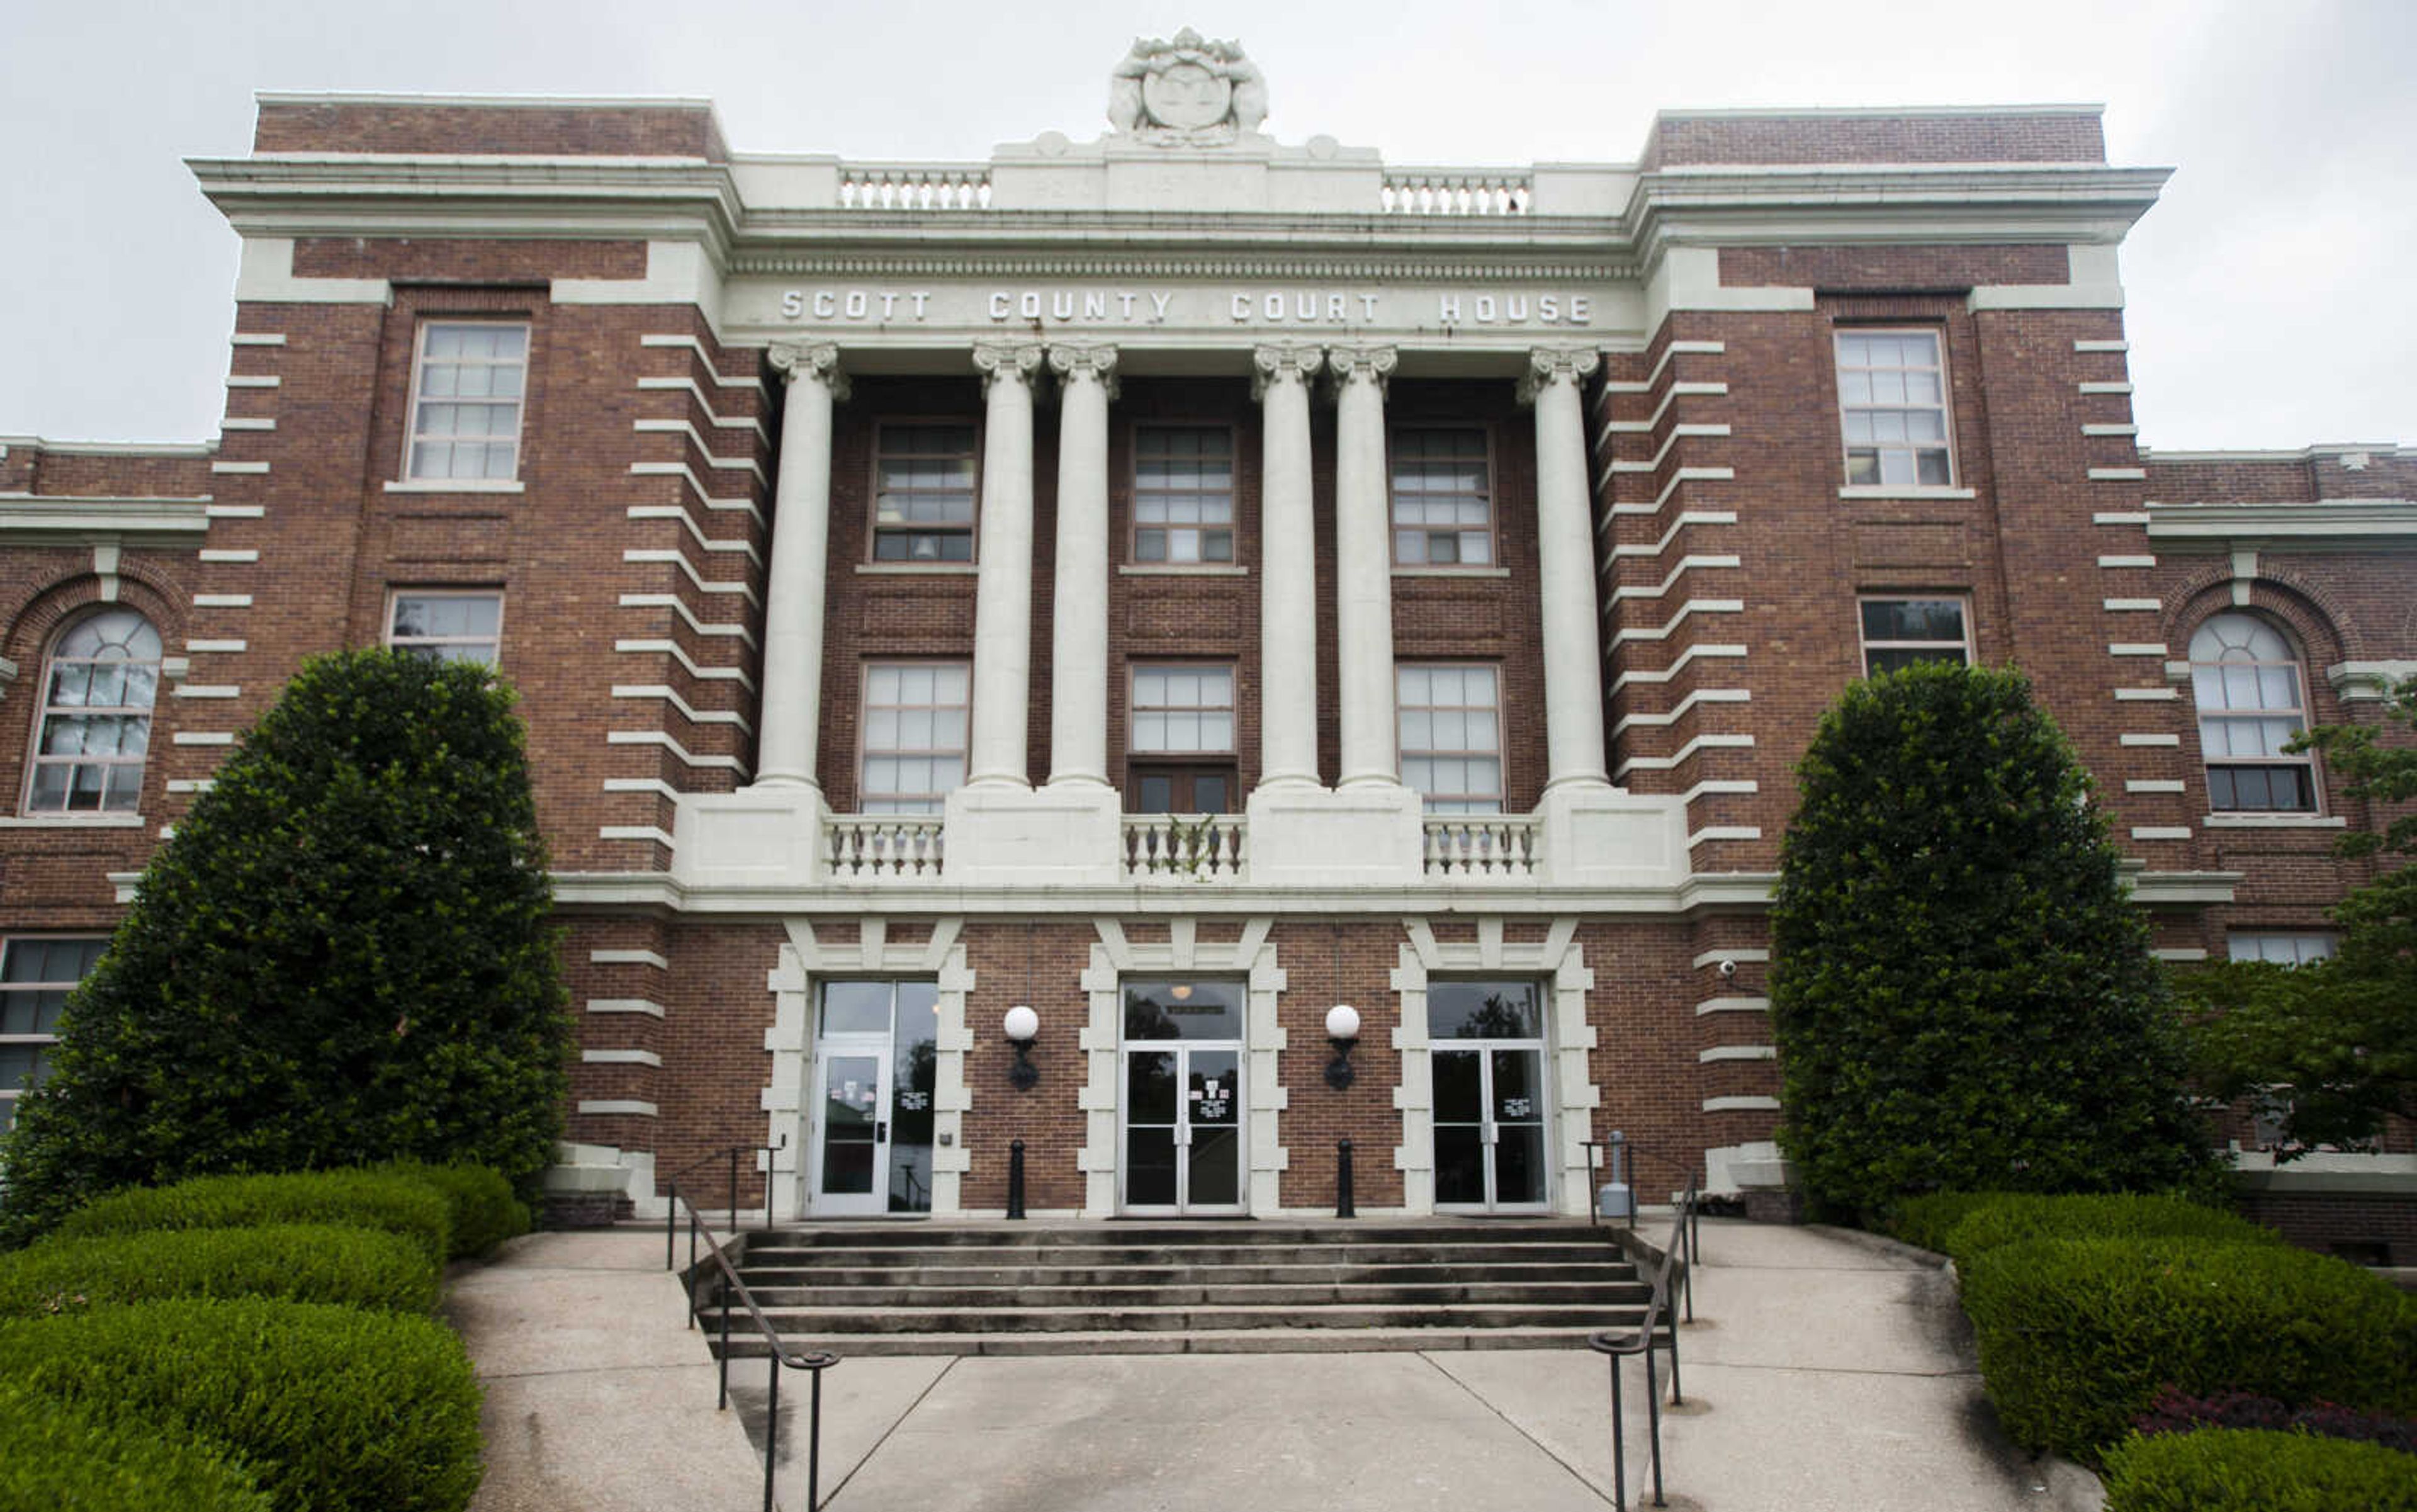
{"x": 1825, "y": 1370}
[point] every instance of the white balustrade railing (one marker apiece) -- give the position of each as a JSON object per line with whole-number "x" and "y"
{"x": 883, "y": 847}
{"x": 1481, "y": 844}
{"x": 1456, "y": 191}
{"x": 898, "y": 186}
{"x": 1201, "y": 847}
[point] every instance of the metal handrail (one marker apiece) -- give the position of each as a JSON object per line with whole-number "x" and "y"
{"x": 1641, "y": 1340}
{"x": 813, "y": 1362}
{"x": 672, "y": 1186}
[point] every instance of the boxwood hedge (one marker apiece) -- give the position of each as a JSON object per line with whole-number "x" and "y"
{"x": 332, "y": 1408}
{"x": 2077, "y": 1336}
{"x": 361, "y": 1199}
{"x": 59, "y": 1457}
{"x": 479, "y": 1202}
{"x": 302, "y": 1262}
{"x": 2013, "y": 1217}
{"x": 1925, "y": 1221}
{"x": 2257, "y": 1469}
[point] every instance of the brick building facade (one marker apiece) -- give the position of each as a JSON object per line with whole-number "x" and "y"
{"x": 1180, "y": 583}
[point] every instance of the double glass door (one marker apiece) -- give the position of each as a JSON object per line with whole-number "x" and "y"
{"x": 1183, "y": 1127}
{"x": 1490, "y": 1113}
{"x": 871, "y": 1110}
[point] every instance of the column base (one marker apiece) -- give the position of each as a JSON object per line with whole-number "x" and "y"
{"x": 1365, "y": 834}
{"x": 760, "y": 836}
{"x": 1062, "y": 833}
{"x": 1598, "y": 835}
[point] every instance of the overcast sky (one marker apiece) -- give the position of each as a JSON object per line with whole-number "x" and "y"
{"x": 2269, "y": 305}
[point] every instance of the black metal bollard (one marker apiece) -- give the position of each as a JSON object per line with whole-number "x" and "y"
{"x": 1015, "y": 1180}
{"x": 1344, "y": 1206}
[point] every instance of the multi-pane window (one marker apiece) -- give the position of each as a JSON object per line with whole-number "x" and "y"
{"x": 1183, "y": 740}
{"x": 1451, "y": 743}
{"x": 914, "y": 735}
{"x": 2251, "y": 704}
{"x": 34, "y": 978}
{"x": 2286, "y": 948}
{"x": 446, "y": 625}
{"x": 1898, "y": 632}
{"x": 1183, "y": 493}
{"x": 923, "y": 491}
{"x": 1443, "y": 506}
{"x": 465, "y": 400}
{"x": 98, "y": 687}
{"x": 1892, "y": 407}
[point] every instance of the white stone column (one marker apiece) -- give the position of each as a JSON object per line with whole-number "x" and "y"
{"x": 1287, "y": 568}
{"x": 1003, "y": 589}
{"x": 1078, "y": 662}
{"x": 1363, "y": 565}
{"x": 790, "y": 722}
{"x": 1566, "y": 561}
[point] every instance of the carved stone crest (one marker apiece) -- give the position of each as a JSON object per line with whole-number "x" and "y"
{"x": 1189, "y": 92}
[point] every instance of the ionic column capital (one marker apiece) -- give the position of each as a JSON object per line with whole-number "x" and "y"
{"x": 1370, "y": 364}
{"x": 1016, "y": 360}
{"x": 815, "y": 361}
{"x": 1073, "y": 361}
{"x": 1275, "y": 363}
{"x": 1548, "y": 365}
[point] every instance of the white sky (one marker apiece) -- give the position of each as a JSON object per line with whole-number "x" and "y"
{"x": 2265, "y": 306}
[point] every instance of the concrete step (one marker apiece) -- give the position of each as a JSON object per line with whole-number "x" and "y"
{"x": 1208, "y": 1288}
{"x": 810, "y": 1321}
{"x": 1240, "y": 1231}
{"x": 1199, "y": 1341}
{"x": 1317, "y": 1273}
{"x": 772, "y": 1255}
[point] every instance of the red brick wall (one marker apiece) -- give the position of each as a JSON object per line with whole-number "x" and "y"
{"x": 635, "y": 130}
{"x": 1681, "y": 140}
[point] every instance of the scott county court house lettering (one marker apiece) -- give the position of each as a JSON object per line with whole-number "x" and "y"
{"x": 1184, "y": 583}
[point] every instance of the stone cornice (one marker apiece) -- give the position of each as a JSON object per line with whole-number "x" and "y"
{"x": 47, "y": 518}
{"x": 2352, "y": 522}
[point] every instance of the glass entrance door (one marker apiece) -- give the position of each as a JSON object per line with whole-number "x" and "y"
{"x": 1490, "y": 1116}
{"x": 1184, "y": 1133}
{"x": 870, "y": 1111}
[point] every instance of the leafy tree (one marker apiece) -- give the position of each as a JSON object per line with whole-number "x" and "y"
{"x": 344, "y": 955}
{"x": 2329, "y": 1048}
{"x": 1962, "y": 991}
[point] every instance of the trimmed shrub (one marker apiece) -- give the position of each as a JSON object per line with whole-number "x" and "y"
{"x": 2079, "y": 1336}
{"x": 2173, "y": 1412}
{"x": 359, "y": 1198}
{"x": 332, "y": 1409}
{"x": 57, "y": 1457}
{"x": 2013, "y": 1218}
{"x": 483, "y": 1210}
{"x": 2257, "y": 1469}
{"x": 1925, "y": 1221}
{"x": 301, "y": 1263}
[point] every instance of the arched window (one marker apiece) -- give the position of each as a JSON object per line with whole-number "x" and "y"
{"x": 2252, "y": 700}
{"x": 98, "y": 687}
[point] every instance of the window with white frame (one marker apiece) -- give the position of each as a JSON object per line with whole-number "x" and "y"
{"x": 1181, "y": 740}
{"x": 1898, "y": 633}
{"x": 1183, "y": 493}
{"x": 2252, "y": 703}
{"x": 914, "y": 721}
{"x": 465, "y": 401}
{"x": 1893, "y": 407}
{"x": 35, "y": 975}
{"x": 1451, "y": 736}
{"x": 2293, "y": 947}
{"x": 923, "y": 491}
{"x": 445, "y": 624}
{"x": 99, "y": 684}
{"x": 1443, "y": 502}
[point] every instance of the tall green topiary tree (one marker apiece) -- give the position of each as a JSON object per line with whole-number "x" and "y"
{"x": 1962, "y": 994}
{"x": 344, "y": 955}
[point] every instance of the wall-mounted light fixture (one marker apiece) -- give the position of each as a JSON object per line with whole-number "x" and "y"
{"x": 1022, "y": 1025}
{"x": 1341, "y": 1031}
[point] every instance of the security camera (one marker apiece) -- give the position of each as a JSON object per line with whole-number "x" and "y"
{"x": 1729, "y": 969}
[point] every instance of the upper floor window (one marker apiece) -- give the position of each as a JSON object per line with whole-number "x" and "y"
{"x": 98, "y": 687}
{"x": 2296, "y": 947}
{"x": 465, "y": 400}
{"x": 1893, "y": 407}
{"x": 2251, "y": 704}
{"x": 447, "y": 624}
{"x": 923, "y": 491}
{"x": 1443, "y": 500}
{"x": 35, "y": 975}
{"x": 1182, "y": 740}
{"x": 915, "y": 724}
{"x": 1451, "y": 742}
{"x": 1900, "y": 632}
{"x": 1183, "y": 493}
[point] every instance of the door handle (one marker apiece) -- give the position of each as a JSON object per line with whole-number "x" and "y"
{"x": 1492, "y": 1132}
{"x": 880, "y": 1133}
